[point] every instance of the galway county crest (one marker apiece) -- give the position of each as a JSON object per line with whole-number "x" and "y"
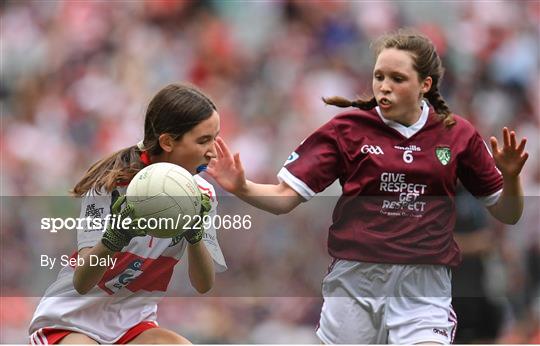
{"x": 443, "y": 154}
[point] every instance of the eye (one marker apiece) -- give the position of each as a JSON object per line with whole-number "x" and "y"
{"x": 398, "y": 79}
{"x": 378, "y": 77}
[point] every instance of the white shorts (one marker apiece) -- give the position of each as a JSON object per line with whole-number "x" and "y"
{"x": 371, "y": 303}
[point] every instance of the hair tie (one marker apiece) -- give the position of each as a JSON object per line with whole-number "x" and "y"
{"x": 140, "y": 145}
{"x": 145, "y": 158}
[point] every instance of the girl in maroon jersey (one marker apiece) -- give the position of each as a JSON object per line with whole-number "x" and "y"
{"x": 390, "y": 281}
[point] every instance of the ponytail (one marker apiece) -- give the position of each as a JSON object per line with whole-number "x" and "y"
{"x": 440, "y": 106}
{"x": 119, "y": 167}
{"x": 433, "y": 96}
{"x": 342, "y": 102}
{"x": 174, "y": 110}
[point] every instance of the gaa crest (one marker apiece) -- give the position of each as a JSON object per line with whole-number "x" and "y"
{"x": 444, "y": 155}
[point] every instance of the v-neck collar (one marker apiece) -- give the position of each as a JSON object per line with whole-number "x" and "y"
{"x": 407, "y": 131}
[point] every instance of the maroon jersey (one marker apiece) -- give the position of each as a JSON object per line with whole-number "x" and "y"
{"x": 398, "y": 184}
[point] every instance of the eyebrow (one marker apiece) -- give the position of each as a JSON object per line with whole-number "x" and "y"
{"x": 390, "y": 72}
{"x": 393, "y": 74}
{"x": 208, "y": 136}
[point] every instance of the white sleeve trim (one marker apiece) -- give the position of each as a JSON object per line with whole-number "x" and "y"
{"x": 296, "y": 184}
{"x": 491, "y": 199}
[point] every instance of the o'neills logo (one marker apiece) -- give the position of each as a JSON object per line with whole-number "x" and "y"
{"x": 440, "y": 332}
{"x": 408, "y": 148}
{"x": 371, "y": 149}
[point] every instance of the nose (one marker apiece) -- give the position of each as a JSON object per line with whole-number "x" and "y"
{"x": 212, "y": 152}
{"x": 384, "y": 87}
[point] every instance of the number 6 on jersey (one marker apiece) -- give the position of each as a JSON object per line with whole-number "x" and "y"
{"x": 407, "y": 156}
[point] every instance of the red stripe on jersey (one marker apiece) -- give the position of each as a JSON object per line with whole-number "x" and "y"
{"x": 155, "y": 274}
{"x": 207, "y": 191}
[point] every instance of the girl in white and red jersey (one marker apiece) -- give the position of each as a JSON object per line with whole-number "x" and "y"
{"x": 104, "y": 303}
{"x": 398, "y": 159}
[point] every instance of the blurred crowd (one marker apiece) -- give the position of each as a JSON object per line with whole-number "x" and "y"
{"x": 76, "y": 77}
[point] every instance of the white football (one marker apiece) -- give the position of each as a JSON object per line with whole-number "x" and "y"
{"x": 166, "y": 196}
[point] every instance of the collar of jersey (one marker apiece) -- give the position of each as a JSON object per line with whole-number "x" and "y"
{"x": 407, "y": 131}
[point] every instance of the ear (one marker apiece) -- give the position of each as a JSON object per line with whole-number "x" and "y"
{"x": 166, "y": 142}
{"x": 426, "y": 85}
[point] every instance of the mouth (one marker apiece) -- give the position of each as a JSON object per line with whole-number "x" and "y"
{"x": 384, "y": 103}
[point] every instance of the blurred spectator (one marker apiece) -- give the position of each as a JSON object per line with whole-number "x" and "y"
{"x": 479, "y": 315}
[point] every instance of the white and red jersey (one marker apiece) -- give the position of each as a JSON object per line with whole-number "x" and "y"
{"x": 398, "y": 184}
{"x": 128, "y": 293}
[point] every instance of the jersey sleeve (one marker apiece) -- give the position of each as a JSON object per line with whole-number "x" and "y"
{"x": 94, "y": 209}
{"x": 210, "y": 235}
{"x": 478, "y": 173}
{"x": 315, "y": 164}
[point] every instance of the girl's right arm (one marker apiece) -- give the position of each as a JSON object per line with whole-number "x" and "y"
{"x": 274, "y": 198}
{"x": 228, "y": 171}
{"x": 114, "y": 239}
{"x": 87, "y": 276}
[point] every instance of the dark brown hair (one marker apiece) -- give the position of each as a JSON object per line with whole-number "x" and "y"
{"x": 426, "y": 63}
{"x": 175, "y": 110}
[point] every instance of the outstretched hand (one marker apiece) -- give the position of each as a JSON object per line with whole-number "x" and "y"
{"x": 511, "y": 158}
{"x": 227, "y": 169}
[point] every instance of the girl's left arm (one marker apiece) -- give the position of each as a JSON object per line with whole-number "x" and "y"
{"x": 200, "y": 267}
{"x": 510, "y": 160}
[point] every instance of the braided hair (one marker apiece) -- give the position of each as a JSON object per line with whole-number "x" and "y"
{"x": 426, "y": 63}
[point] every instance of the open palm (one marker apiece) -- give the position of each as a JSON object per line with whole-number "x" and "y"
{"x": 227, "y": 169}
{"x": 511, "y": 158}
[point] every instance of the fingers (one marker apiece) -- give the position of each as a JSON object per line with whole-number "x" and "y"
{"x": 521, "y": 146}
{"x": 238, "y": 162}
{"x": 513, "y": 139}
{"x": 522, "y": 161}
{"x": 117, "y": 205}
{"x": 127, "y": 211}
{"x": 510, "y": 140}
{"x": 506, "y": 137}
{"x": 494, "y": 145}
{"x": 219, "y": 149}
{"x": 211, "y": 168}
{"x": 223, "y": 146}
